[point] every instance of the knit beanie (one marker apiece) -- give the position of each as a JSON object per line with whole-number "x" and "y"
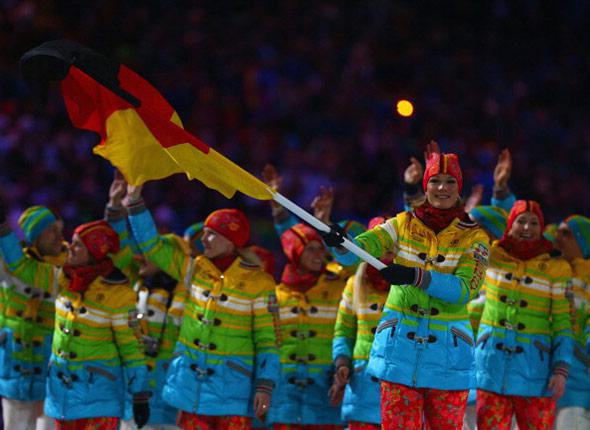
{"x": 100, "y": 239}
{"x": 231, "y": 224}
{"x": 34, "y": 220}
{"x": 443, "y": 163}
{"x": 492, "y": 218}
{"x": 580, "y": 226}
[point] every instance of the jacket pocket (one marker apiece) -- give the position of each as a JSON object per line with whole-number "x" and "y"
{"x": 100, "y": 371}
{"x": 482, "y": 340}
{"x": 235, "y": 366}
{"x": 459, "y": 334}
{"x": 543, "y": 349}
{"x": 389, "y": 323}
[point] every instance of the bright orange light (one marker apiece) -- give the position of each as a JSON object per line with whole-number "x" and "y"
{"x": 405, "y": 108}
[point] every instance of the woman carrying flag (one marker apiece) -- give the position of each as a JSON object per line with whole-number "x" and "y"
{"x": 423, "y": 347}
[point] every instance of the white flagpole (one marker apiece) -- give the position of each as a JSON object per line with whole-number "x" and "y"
{"x": 319, "y": 225}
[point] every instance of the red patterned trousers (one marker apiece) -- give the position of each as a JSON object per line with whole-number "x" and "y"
{"x": 494, "y": 411}
{"x": 403, "y": 407}
{"x": 101, "y": 423}
{"x": 188, "y": 421}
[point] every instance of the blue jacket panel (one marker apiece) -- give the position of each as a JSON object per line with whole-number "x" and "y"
{"x": 20, "y": 377}
{"x": 411, "y": 351}
{"x": 362, "y": 397}
{"x": 577, "y": 390}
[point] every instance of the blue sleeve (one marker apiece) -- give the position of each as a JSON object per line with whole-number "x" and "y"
{"x": 12, "y": 251}
{"x": 342, "y": 347}
{"x": 505, "y": 203}
{"x": 285, "y": 225}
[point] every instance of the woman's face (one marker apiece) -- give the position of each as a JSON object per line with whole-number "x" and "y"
{"x": 78, "y": 254}
{"x": 442, "y": 191}
{"x": 313, "y": 257}
{"x": 526, "y": 226}
{"x": 215, "y": 244}
{"x": 567, "y": 243}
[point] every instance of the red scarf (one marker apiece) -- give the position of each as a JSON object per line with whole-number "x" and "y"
{"x": 223, "y": 263}
{"x": 82, "y": 276}
{"x": 439, "y": 219}
{"x": 301, "y": 282}
{"x": 525, "y": 249}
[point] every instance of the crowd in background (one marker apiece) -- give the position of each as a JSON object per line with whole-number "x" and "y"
{"x": 313, "y": 91}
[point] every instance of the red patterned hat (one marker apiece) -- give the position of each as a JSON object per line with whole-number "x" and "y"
{"x": 296, "y": 238}
{"x": 231, "y": 224}
{"x": 100, "y": 239}
{"x": 522, "y": 206}
{"x": 443, "y": 163}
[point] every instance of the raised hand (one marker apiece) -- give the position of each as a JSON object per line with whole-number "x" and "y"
{"x": 431, "y": 148}
{"x": 503, "y": 169}
{"x": 414, "y": 172}
{"x": 117, "y": 190}
{"x": 133, "y": 194}
{"x": 272, "y": 177}
{"x": 322, "y": 204}
{"x": 474, "y": 198}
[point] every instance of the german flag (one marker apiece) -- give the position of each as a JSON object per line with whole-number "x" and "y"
{"x": 140, "y": 133}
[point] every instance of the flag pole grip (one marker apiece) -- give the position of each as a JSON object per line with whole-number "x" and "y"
{"x": 319, "y": 225}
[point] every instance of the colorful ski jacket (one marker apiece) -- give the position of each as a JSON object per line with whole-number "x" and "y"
{"x": 354, "y": 332}
{"x": 27, "y": 331}
{"x": 227, "y": 336}
{"x": 306, "y": 331}
{"x": 160, "y": 315}
{"x": 577, "y": 390}
{"x": 96, "y": 351}
{"x": 425, "y": 338}
{"x": 525, "y": 331}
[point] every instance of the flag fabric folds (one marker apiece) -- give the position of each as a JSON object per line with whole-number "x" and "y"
{"x": 140, "y": 133}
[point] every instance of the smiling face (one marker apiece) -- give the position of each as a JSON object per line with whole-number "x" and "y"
{"x": 50, "y": 241}
{"x": 313, "y": 257}
{"x": 526, "y": 226}
{"x": 566, "y": 243}
{"x": 442, "y": 191}
{"x": 78, "y": 254}
{"x": 215, "y": 244}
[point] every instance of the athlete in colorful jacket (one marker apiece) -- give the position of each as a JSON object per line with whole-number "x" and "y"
{"x": 525, "y": 338}
{"x": 359, "y": 312}
{"x": 572, "y": 238}
{"x": 96, "y": 354}
{"x": 227, "y": 337}
{"x": 423, "y": 348}
{"x": 308, "y": 298}
{"x": 29, "y": 318}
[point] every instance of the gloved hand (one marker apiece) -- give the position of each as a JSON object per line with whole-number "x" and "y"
{"x": 396, "y": 274}
{"x": 141, "y": 408}
{"x": 335, "y": 237}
